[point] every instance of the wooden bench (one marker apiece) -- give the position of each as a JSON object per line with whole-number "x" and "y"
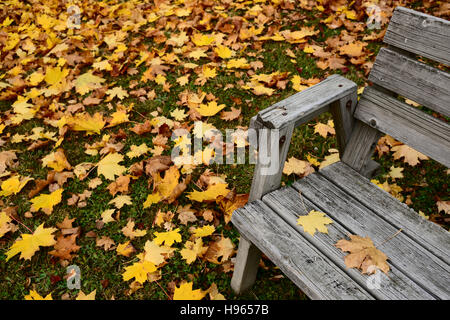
{"x": 419, "y": 255}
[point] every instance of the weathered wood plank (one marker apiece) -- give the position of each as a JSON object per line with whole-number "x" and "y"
{"x": 312, "y": 272}
{"x": 273, "y": 145}
{"x": 428, "y": 234}
{"x": 342, "y": 111}
{"x": 414, "y": 80}
{"x": 308, "y": 104}
{"x": 420, "y": 33}
{"x": 246, "y": 266}
{"x": 289, "y": 205}
{"x": 423, "y": 267}
{"x": 360, "y": 147}
{"x": 405, "y": 123}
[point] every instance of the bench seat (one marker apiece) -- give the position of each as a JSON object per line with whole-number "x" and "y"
{"x": 419, "y": 255}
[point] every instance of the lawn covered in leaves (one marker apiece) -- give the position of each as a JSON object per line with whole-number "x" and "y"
{"x": 93, "y": 95}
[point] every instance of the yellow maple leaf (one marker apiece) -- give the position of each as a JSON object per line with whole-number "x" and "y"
{"x": 178, "y": 114}
{"x": 240, "y": 63}
{"x": 330, "y": 159}
{"x": 151, "y": 199}
{"x": 120, "y": 201}
{"x": 86, "y": 122}
{"x": 139, "y": 271}
{"x": 55, "y": 75}
{"x": 315, "y": 220}
{"x": 200, "y": 39}
{"x": 118, "y": 92}
{"x": 137, "y": 151}
{"x": 168, "y": 238}
{"x": 87, "y": 82}
{"x": 192, "y": 250}
{"x": 35, "y": 78}
{"x": 212, "y": 193}
{"x": 354, "y": 49}
{"x": 5, "y": 225}
{"x": 13, "y": 185}
{"x": 125, "y": 249}
{"x": 293, "y": 165}
{"x": 46, "y": 202}
{"x": 204, "y": 231}
{"x": 325, "y": 129}
{"x": 185, "y": 292}
{"x": 155, "y": 253}
{"x": 396, "y": 173}
{"x": 297, "y": 83}
{"x": 30, "y": 243}
{"x": 83, "y": 296}
{"x": 209, "y": 110}
{"x": 56, "y": 160}
{"x": 118, "y": 117}
{"x": 107, "y": 215}
{"x": 183, "y": 80}
{"x": 109, "y": 166}
{"x": 409, "y": 155}
{"x": 33, "y": 295}
{"x": 224, "y": 52}
{"x": 166, "y": 185}
{"x": 102, "y": 65}
{"x": 261, "y": 89}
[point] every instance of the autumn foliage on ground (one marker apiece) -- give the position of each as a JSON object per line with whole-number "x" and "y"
{"x": 91, "y": 93}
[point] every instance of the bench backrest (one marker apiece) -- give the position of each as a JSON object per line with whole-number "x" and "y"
{"x": 399, "y": 69}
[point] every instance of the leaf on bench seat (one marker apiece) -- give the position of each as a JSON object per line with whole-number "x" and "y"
{"x": 363, "y": 254}
{"x": 315, "y": 220}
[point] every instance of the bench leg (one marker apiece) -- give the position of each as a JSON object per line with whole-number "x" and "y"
{"x": 246, "y": 266}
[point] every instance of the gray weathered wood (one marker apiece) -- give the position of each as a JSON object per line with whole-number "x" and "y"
{"x": 246, "y": 266}
{"x": 412, "y": 79}
{"x": 268, "y": 177}
{"x": 360, "y": 147}
{"x": 428, "y": 234}
{"x": 420, "y": 33}
{"x": 312, "y": 272}
{"x": 423, "y": 267}
{"x": 308, "y": 104}
{"x": 342, "y": 111}
{"x": 289, "y": 205}
{"x": 405, "y": 123}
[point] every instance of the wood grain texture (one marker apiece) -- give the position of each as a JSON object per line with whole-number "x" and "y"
{"x": 246, "y": 266}
{"x": 423, "y": 267}
{"x": 307, "y": 104}
{"x": 268, "y": 177}
{"x": 289, "y": 205}
{"x": 420, "y": 33}
{"x": 307, "y": 267}
{"x": 414, "y": 80}
{"x": 360, "y": 147}
{"x": 342, "y": 111}
{"x": 428, "y": 234}
{"x": 405, "y": 123}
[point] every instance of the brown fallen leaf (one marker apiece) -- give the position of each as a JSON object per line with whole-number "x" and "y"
{"x": 142, "y": 128}
{"x": 105, "y": 242}
{"x": 220, "y": 251}
{"x": 409, "y": 155}
{"x": 363, "y": 254}
{"x": 230, "y": 115}
{"x": 119, "y": 185}
{"x": 65, "y": 246}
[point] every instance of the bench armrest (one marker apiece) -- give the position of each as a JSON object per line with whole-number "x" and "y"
{"x": 307, "y": 104}
{"x": 335, "y": 94}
